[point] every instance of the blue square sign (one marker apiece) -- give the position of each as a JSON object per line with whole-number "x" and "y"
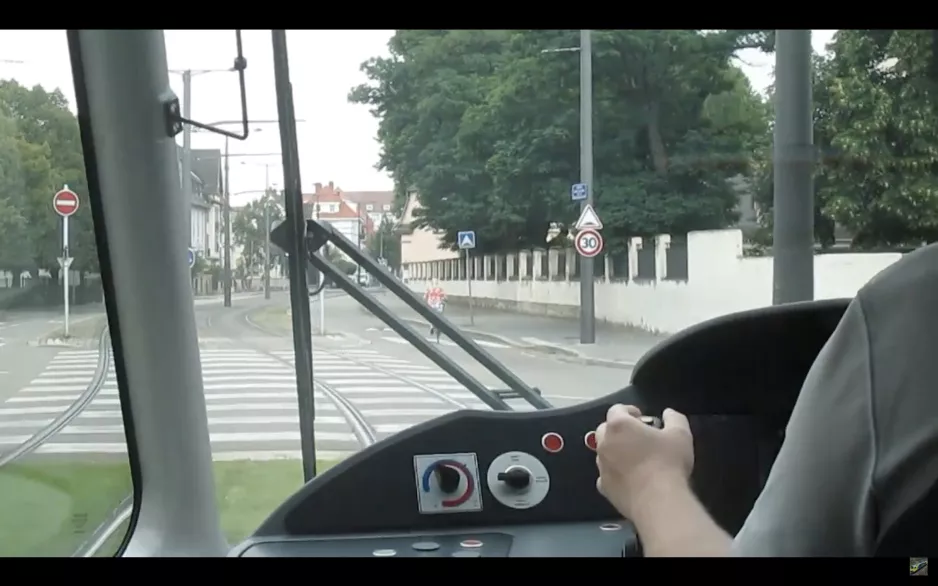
{"x": 466, "y": 239}
{"x": 579, "y": 191}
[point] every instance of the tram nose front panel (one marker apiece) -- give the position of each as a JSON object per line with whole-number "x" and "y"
{"x": 525, "y": 488}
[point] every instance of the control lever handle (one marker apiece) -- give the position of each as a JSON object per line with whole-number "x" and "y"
{"x": 652, "y": 421}
{"x": 517, "y": 478}
{"x": 447, "y": 478}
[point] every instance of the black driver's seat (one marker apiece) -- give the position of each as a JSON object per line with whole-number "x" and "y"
{"x": 740, "y": 416}
{"x": 914, "y": 534}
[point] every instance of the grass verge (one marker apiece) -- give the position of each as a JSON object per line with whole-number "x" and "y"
{"x": 274, "y": 319}
{"x": 49, "y": 508}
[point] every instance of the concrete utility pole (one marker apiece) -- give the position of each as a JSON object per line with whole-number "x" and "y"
{"x": 794, "y": 160}
{"x": 268, "y": 202}
{"x": 187, "y": 75}
{"x": 267, "y": 250}
{"x": 226, "y": 216}
{"x": 226, "y": 201}
{"x": 587, "y": 297}
{"x": 226, "y": 219}
{"x": 587, "y": 294}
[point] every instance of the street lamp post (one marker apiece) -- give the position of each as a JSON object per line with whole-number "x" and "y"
{"x": 226, "y": 205}
{"x": 267, "y": 203}
{"x": 267, "y": 249}
{"x": 187, "y": 75}
{"x": 226, "y": 220}
{"x": 587, "y": 293}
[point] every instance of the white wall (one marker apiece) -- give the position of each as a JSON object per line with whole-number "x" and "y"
{"x": 719, "y": 281}
{"x": 199, "y": 224}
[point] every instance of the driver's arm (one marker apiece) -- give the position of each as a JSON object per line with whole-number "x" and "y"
{"x": 818, "y": 499}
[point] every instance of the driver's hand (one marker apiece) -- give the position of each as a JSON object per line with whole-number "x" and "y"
{"x": 634, "y": 458}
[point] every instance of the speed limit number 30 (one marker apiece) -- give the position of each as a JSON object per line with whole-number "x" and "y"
{"x": 588, "y": 243}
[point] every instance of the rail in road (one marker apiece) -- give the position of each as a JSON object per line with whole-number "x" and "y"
{"x": 69, "y": 414}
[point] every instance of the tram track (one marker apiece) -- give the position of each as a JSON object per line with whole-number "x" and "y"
{"x": 357, "y": 420}
{"x": 363, "y": 430}
{"x": 37, "y": 439}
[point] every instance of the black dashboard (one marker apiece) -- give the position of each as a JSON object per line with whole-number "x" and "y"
{"x": 522, "y": 484}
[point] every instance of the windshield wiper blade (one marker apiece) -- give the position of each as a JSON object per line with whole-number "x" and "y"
{"x": 405, "y": 331}
{"x": 299, "y": 293}
{"x": 318, "y": 234}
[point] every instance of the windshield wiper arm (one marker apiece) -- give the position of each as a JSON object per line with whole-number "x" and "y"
{"x": 318, "y": 234}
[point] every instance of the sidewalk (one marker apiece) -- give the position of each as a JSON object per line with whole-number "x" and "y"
{"x": 615, "y": 346}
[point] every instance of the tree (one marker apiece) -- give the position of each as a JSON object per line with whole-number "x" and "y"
{"x": 49, "y": 156}
{"x": 484, "y": 126}
{"x": 249, "y": 229}
{"x": 879, "y": 177}
{"x": 385, "y": 242}
{"x": 15, "y": 238}
{"x": 763, "y": 183}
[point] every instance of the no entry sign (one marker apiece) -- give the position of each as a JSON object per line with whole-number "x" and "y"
{"x": 65, "y": 202}
{"x": 588, "y": 243}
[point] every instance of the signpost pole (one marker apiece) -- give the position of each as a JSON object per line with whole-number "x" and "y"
{"x": 322, "y": 303}
{"x": 65, "y": 203}
{"x": 466, "y": 240}
{"x": 267, "y": 250}
{"x": 472, "y": 319}
{"x": 66, "y": 262}
{"x": 587, "y": 299}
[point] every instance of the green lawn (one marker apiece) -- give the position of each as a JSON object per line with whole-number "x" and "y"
{"x": 274, "y": 319}
{"x": 50, "y": 508}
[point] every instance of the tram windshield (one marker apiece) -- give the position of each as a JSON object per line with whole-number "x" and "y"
{"x": 494, "y": 219}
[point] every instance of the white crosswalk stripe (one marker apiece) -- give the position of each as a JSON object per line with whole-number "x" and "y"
{"x": 445, "y": 342}
{"x": 251, "y": 402}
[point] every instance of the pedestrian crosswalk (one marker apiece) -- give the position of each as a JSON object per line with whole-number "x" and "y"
{"x": 444, "y": 342}
{"x": 251, "y": 401}
{"x": 388, "y": 335}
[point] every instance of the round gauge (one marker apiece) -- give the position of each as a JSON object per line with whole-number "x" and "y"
{"x": 518, "y": 480}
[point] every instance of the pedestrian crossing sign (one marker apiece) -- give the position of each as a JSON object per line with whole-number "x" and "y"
{"x": 466, "y": 239}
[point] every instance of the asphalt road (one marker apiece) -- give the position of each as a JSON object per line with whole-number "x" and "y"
{"x": 370, "y": 383}
{"x": 20, "y": 360}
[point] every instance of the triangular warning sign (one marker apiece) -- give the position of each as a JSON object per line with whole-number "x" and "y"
{"x": 589, "y": 220}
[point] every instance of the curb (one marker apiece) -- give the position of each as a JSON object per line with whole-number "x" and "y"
{"x": 56, "y": 338}
{"x": 561, "y": 352}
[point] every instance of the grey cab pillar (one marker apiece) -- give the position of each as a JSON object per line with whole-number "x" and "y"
{"x": 125, "y": 79}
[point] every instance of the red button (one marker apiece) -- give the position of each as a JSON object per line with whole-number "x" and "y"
{"x": 552, "y": 442}
{"x": 590, "y": 440}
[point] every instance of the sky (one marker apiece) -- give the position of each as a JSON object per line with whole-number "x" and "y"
{"x": 336, "y": 139}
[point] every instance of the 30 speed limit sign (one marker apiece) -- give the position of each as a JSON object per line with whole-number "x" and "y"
{"x": 588, "y": 243}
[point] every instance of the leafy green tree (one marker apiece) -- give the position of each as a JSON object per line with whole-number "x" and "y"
{"x": 15, "y": 238}
{"x": 484, "y": 125}
{"x": 763, "y": 179}
{"x": 249, "y": 228}
{"x": 879, "y": 177}
{"x": 50, "y": 156}
{"x": 385, "y": 243}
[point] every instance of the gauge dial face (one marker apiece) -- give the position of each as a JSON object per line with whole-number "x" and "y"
{"x": 447, "y": 483}
{"x": 518, "y": 497}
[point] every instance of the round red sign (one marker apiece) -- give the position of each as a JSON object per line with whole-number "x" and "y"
{"x": 65, "y": 203}
{"x": 588, "y": 243}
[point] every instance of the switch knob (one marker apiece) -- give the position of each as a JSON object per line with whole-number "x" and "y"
{"x": 447, "y": 478}
{"x": 516, "y": 477}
